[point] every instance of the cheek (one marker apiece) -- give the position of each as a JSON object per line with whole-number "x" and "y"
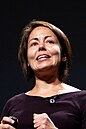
{"x": 31, "y": 53}
{"x": 55, "y": 50}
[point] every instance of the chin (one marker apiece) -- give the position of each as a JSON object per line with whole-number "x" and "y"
{"x": 44, "y": 69}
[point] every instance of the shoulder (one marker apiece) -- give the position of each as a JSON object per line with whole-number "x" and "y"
{"x": 68, "y": 88}
{"x": 18, "y": 96}
{"x": 75, "y": 93}
{"x": 15, "y": 99}
{"x": 12, "y": 103}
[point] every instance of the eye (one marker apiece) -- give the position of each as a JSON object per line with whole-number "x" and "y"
{"x": 50, "y": 41}
{"x": 33, "y": 44}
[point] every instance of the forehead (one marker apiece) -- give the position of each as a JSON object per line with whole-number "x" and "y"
{"x": 42, "y": 30}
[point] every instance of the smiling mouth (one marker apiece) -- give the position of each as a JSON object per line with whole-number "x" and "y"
{"x": 44, "y": 56}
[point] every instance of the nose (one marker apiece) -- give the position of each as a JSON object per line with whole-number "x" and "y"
{"x": 42, "y": 47}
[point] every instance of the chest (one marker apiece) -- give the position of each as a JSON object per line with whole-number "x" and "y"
{"x": 64, "y": 114}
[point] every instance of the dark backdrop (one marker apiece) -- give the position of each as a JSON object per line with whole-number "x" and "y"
{"x": 14, "y": 14}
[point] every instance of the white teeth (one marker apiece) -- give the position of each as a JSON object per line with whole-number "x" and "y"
{"x": 42, "y": 56}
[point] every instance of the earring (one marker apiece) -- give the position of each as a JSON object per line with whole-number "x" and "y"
{"x": 64, "y": 59}
{"x": 28, "y": 64}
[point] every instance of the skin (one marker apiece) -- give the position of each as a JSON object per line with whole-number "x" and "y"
{"x": 42, "y": 121}
{"x": 42, "y": 41}
{"x": 4, "y": 124}
{"x": 44, "y": 45}
{"x": 44, "y": 56}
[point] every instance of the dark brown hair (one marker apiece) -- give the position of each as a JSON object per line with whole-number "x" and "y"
{"x": 63, "y": 40}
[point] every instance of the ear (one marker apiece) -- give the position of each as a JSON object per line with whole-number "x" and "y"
{"x": 64, "y": 58}
{"x": 28, "y": 64}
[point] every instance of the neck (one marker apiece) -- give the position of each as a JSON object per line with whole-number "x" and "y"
{"x": 46, "y": 88}
{"x": 46, "y": 80}
{"x": 46, "y": 84}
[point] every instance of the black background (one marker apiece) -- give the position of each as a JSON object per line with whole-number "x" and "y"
{"x": 69, "y": 16}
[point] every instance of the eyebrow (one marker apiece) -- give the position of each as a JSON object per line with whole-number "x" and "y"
{"x": 37, "y": 38}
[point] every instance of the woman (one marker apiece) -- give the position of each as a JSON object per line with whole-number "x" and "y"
{"x": 45, "y": 54}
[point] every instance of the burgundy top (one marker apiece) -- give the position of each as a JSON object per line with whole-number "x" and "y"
{"x": 67, "y": 111}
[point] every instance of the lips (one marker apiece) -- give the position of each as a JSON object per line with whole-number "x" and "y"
{"x": 42, "y": 56}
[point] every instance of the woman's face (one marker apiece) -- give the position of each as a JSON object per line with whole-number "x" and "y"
{"x": 44, "y": 50}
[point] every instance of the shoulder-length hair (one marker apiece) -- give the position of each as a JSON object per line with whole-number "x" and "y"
{"x": 63, "y": 40}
